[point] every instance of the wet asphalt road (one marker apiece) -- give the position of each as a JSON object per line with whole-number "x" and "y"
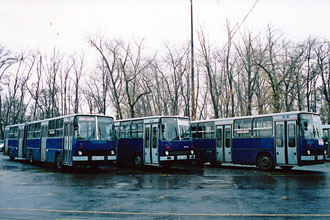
{"x": 229, "y": 192}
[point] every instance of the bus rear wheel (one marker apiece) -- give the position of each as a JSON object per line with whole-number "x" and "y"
{"x": 137, "y": 160}
{"x": 265, "y": 162}
{"x": 58, "y": 161}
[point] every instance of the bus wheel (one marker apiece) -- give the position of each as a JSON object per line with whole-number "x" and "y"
{"x": 58, "y": 161}
{"x": 265, "y": 162}
{"x": 137, "y": 160}
{"x": 31, "y": 157}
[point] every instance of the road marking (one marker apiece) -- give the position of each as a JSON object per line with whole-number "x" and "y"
{"x": 167, "y": 213}
{"x": 48, "y": 194}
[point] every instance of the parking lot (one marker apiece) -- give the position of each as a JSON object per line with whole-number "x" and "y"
{"x": 191, "y": 192}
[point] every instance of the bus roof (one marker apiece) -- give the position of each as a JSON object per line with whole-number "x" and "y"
{"x": 151, "y": 117}
{"x": 277, "y": 115}
{"x": 59, "y": 117}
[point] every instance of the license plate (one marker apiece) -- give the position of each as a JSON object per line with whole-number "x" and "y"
{"x": 182, "y": 157}
{"x": 320, "y": 157}
{"x": 97, "y": 157}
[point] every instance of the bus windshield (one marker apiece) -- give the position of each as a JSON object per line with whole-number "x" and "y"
{"x": 175, "y": 129}
{"x": 310, "y": 126}
{"x": 169, "y": 129}
{"x": 184, "y": 128}
{"x": 86, "y": 127}
{"x": 104, "y": 128}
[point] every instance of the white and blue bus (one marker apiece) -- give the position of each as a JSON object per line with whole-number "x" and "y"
{"x": 282, "y": 139}
{"x": 326, "y": 133}
{"x": 158, "y": 141}
{"x": 73, "y": 140}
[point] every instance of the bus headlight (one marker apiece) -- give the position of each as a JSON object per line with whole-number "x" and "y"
{"x": 192, "y": 152}
{"x": 308, "y": 152}
{"x": 167, "y": 153}
{"x": 112, "y": 152}
{"x": 325, "y": 152}
{"x": 79, "y": 153}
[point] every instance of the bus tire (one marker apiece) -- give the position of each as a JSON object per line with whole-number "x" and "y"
{"x": 137, "y": 160}
{"x": 58, "y": 161}
{"x": 265, "y": 161}
{"x": 31, "y": 157}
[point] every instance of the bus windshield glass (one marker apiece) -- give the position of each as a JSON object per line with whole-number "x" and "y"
{"x": 184, "y": 128}
{"x": 104, "y": 128}
{"x": 169, "y": 129}
{"x": 86, "y": 127}
{"x": 310, "y": 126}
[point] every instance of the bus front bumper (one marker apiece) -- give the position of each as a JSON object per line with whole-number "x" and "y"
{"x": 93, "y": 158}
{"x": 177, "y": 157}
{"x": 312, "y": 158}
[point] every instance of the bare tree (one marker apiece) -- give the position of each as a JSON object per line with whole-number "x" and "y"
{"x": 323, "y": 68}
{"x": 170, "y": 72}
{"x": 271, "y": 68}
{"x": 133, "y": 67}
{"x": 210, "y": 66}
{"x": 250, "y": 71}
{"x": 108, "y": 52}
{"x": 16, "y": 87}
{"x": 78, "y": 66}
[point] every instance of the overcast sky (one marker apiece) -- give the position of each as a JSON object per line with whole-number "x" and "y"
{"x": 43, "y": 24}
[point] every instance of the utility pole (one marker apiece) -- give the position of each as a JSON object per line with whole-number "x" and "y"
{"x": 193, "y": 108}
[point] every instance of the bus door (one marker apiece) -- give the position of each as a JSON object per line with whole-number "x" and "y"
{"x": 227, "y": 143}
{"x": 20, "y": 141}
{"x": 286, "y": 142}
{"x": 146, "y": 144}
{"x": 68, "y": 135}
{"x": 326, "y": 141}
{"x": 44, "y": 132}
{"x": 151, "y": 144}
{"x": 219, "y": 144}
{"x": 280, "y": 142}
{"x": 154, "y": 143}
{"x": 291, "y": 142}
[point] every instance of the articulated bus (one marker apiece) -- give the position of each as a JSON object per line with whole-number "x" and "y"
{"x": 326, "y": 133}
{"x": 73, "y": 140}
{"x": 158, "y": 141}
{"x": 282, "y": 139}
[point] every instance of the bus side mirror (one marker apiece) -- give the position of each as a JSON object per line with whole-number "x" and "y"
{"x": 163, "y": 127}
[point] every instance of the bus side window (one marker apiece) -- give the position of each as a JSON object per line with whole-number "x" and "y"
{"x": 326, "y": 136}
{"x": 30, "y": 133}
{"x": 228, "y": 137}
{"x": 59, "y": 128}
{"x": 154, "y": 137}
{"x": 242, "y": 128}
{"x": 51, "y": 128}
{"x": 292, "y": 135}
{"x": 194, "y": 131}
{"x": 279, "y": 135}
{"x": 37, "y": 130}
